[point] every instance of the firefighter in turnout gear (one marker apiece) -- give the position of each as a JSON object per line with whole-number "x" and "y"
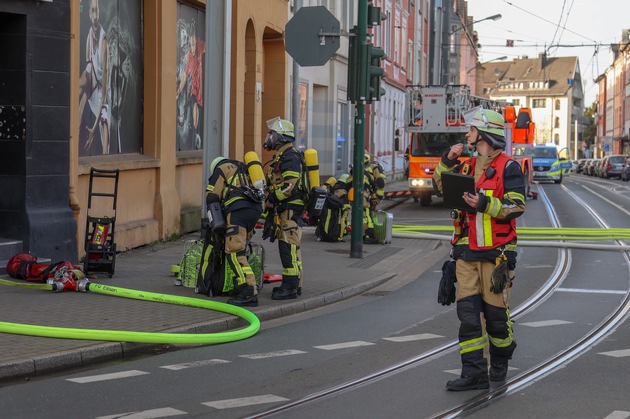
{"x": 285, "y": 203}
{"x": 370, "y": 199}
{"x": 484, "y": 247}
{"x": 229, "y": 185}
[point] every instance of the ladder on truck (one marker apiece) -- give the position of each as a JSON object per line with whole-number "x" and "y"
{"x": 100, "y": 247}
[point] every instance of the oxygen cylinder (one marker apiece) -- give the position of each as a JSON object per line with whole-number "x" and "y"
{"x": 254, "y": 168}
{"x": 312, "y": 165}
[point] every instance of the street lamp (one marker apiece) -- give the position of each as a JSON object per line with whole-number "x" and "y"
{"x": 493, "y": 17}
{"x": 486, "y": 62}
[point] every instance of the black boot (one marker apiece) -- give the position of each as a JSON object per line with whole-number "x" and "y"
{"x": 298, "y": 290}
{"x": 284, "y": 294}
{"x": 246, "y": 297}
{"x": 468, "y": 383}
{"x": 498, "y": 370}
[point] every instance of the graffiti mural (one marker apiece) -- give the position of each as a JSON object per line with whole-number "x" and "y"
{"x": 110, "y": 86}
{"x": 190, "y": 77}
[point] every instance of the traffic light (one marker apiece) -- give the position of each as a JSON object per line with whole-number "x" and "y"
{"x": 375, "y": 17}
{"x": 375, "y": 73}
{"x": 374, "y": 56}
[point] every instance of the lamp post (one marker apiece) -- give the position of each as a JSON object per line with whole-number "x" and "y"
{"x": 445, "y": 45}
{"x": 493, "y": 17}
{"x": 486, "y": 62}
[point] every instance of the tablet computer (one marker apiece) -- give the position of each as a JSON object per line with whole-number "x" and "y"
{"x": 453, "y": 187}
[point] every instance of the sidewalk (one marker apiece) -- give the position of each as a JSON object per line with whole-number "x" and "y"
{"x": 330, "y": 275}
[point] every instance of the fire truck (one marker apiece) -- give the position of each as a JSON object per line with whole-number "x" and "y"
{"x": 434, "y": 121}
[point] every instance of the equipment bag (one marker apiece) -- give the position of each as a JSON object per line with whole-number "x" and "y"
{"x": 190, "y": 264}
{"x": 25, "y": 266}
{"x": 219, "y": 278}
{"x": 383, "y": 226}
{"x": 330, "y": 227}
{"x": 255, "y": 254}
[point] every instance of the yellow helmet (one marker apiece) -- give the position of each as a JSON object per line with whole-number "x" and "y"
{"x": 215, "y": 163}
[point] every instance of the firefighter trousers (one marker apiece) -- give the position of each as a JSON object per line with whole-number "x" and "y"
{"x": 289, "y": 239}
{"x": 474, "y": 298}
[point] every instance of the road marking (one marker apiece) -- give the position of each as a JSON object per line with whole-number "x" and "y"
{"x": 618, "y": 414}
{"x": 409, "y": 338}
{"x": 273, "y": 354}
{"x": 245, "y": 401}
{"x": 545, "y": 323}
{"x": 617, "y": 354}
{"x": 619, "y": 207}
{"x": 147, "y": 414}
{"x": 105, "y": 377}
{"x": 535, "y": 266}
{"x": 590, "y": 291}
{"x": 343, "y": 345}
{"x": 183, "y": 366}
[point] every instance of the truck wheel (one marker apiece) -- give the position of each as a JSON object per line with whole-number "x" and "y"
{"x": 425, "y": 199}
{"x": 415, "y": 199}
{"x": 558, "y": 181}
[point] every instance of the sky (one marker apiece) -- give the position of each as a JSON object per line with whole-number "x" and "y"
{"x": 571, "y": 27}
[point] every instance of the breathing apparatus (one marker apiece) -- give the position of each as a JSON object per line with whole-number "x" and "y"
{"x": 281, "y": 132}
{"x": 255, "y": 170}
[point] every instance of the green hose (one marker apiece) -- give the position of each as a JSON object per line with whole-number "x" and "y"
{"x": 143, "y": 337}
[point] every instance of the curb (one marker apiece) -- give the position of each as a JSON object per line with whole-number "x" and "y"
{"x": 94, "y": 354}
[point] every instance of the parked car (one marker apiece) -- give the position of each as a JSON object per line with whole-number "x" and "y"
{"x": 625, "y": 172}
{"x": 612, "y": 165}
{"x": 580, "y": 165}
{"x": 590, "y": 170}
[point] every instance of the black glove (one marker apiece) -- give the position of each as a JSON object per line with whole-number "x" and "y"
{"x": 446, "y": 289}
{"x": 500, "y": 278}
{"x": 269, "y": 229}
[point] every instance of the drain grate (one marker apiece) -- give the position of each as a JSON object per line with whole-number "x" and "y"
{"x": 377, "y": 257}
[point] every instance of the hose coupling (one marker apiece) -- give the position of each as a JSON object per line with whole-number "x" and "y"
{"x": 83, "y": 285}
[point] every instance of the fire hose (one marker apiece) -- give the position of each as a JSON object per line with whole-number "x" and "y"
{"x": 141, "y": 337}
{"x": 563, "y": 237}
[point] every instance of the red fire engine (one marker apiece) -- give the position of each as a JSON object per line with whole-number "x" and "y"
{"x": 434, "y": 120}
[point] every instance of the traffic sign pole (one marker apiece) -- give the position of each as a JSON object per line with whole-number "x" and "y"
{"x": 356, "y": 238}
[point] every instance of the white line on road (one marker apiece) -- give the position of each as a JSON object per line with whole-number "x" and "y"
{"x": 147, "y": 414}
{"x": 273, "y": 354}
{"x": 409, "y": 338}
{"x": 183, "y": 366}
{"x": 618, "y": 414}
{"x": 343, "y": 345}
{"x": 245, "y": 401}
{"x": 617, "y": 354}
{"x": 590, "y": 291}
{"x": 105, "y": 377}
{"x": 545, "y": 323}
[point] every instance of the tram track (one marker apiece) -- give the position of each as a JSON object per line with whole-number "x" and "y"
{"x": 518, "y": 382}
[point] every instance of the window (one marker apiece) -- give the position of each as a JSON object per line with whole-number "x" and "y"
{"x": 539, "y": 103}
{"x": 557, "y": 104}
{"x": 516, "y": 102}
{"x": 556, "y": 139}
{"x": 556, "y": 123}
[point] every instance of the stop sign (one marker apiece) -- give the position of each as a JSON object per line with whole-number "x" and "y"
{"x": 303, "y": 41}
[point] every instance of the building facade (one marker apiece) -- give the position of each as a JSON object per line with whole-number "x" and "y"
{"x": 551, "y": 87}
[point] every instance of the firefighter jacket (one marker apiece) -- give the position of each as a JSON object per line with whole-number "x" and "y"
{"x": 286, "y": 178}
{"x": 230, "y": 185}
{"x": 501, "y": 188}
{"x": 376, "y": 176}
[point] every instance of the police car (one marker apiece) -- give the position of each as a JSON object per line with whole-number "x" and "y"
{"x": 548, "y": 163}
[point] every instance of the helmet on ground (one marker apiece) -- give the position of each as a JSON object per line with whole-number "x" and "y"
{"x": 216, "y": 162}
{"x": 344, "y": 178}
{"x": 489, "y": 124}
{"x": 366, "y": 158}
{"x": 281, "y": 132}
